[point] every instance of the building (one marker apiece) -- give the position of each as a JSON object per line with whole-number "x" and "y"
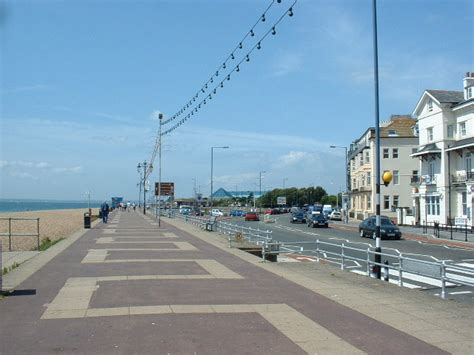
{"x": 398, "y": 141}
{"x": 444, "y": 190}
{"x": 221, "y": 194}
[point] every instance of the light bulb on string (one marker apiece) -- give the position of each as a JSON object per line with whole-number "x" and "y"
{"x": 214, "y": 91}
{"x": 263, "y": 18}
{"x": 258, "y": 45}
{"x": 212, "y": 80}
{"x": 228, "y": 77}
{"x": 224, "y": 66}
{"x": 247, "y": 58}
{"x": 290, "y": 12}
{"x": 251, "y": 33}
{"x": 232, "y": 56}
{"x": 238, "y": 69}
{"x": 240, "y": 45}
{"x": 222, "y": 84}
{"x": 274, "y": 31}
{"x": 217, "y": 73}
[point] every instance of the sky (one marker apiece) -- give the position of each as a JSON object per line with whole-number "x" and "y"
{"x": 82, "y": 83}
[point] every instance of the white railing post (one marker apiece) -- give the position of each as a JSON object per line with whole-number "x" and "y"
{"x": 342, "y": 256}
{"x": 400, "y": 270}
{"x": 368, "y": 262}
{"x": 317, "y": 250}
{"x": 443, "y": 279}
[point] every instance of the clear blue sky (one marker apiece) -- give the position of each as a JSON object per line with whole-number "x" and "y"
{"x": 80, "y": 81}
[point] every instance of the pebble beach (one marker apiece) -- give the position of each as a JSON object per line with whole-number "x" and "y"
{"x": 53, "y": 224}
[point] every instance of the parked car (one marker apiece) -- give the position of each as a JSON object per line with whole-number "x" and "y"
{"x": 251, "y": 216}
{"x": 317, "y": 220}
{"x": 215, "y": 212}
{"x": 237, "y": 213}
{"x": 335, "y": 216}
{"x": 268, "y": 211}
{"x": 298, "y": 217}
{"x": 388, "y": 230}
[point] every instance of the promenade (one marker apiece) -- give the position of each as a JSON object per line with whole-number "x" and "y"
{"x": 129, "y": 287}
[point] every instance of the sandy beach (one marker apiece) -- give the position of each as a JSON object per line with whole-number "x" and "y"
{"x": 54, "y": 224}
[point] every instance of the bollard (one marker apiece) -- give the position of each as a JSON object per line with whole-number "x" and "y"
{"x": 443, "y": 280}
{"x": 386, "y": 271}
{"x": 342, "y": 256}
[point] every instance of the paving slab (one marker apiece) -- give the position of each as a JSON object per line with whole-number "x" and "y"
{"x": 208, "y": 300}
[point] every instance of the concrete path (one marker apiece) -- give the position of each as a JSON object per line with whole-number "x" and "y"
{"x": 127, "y": 287}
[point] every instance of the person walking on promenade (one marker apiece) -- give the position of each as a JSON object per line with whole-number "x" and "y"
{"x": 104, "y": 208}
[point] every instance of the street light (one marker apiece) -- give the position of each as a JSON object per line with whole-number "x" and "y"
{"x": 212, "y": 167}
{"x": 260, "y": 197}
{"x": 346, "y": 208}
{"x": 143, "y": 166}
{"x": 284, "y": 180}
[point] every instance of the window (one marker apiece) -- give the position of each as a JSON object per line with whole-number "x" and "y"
{"x": 395, "y": 153}
{"x": 468, "y": 162}
{"x": 431, "y": 169}
{"x": 450, "y": 131}
{"x": 354, "y": 183}
{"x": 386, "y": 202}
{"x": 464, "y": 203}
{"x": 462, "y": 129}
{"x": 361, "y": 159}
{"x": 414, "y": 150}
{"x": 395, "y": 201}
{"x": 396, "y": 177}
{"x": 415, "y": 130}
{"x": 432, "y": 205}
{"x": 367, "y": 157}
{"x": 369, "y": 203}
{"x": 385, "y": 153}
{"x": 430, "y": 105}
{"x": 369, "y": 179}
{"x": 468, "y": 92}
{"x": 429, "y": 133}
{"x": 392, "y": 133}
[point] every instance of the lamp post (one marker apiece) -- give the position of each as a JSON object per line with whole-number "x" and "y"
{"x": 260, "y": 197}
{"x": 88, "y": 194}
{"x": 144, "y": 166}
{"x": 160, "y": 117}
{"x": 346, "y": 208}
{"x": 212, "y": 167}
{"x": 284, "y": 180}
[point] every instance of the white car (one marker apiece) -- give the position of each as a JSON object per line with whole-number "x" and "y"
{"x": 335, "y": 216}
{"x": 215, "y": 212}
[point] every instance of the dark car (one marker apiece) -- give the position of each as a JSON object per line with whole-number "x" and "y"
{"x": 317, "y": 220}
{"x": 251, "y": 216}
{"x": 388, "y": 230}
{"x": 298, "y": 217}
{"x": 237, "y": 213}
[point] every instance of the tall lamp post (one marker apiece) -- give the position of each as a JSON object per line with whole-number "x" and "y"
{"x": 212, "y": 168}
{"x": 260, "y": 197}
{"x": 346, "y": 215}
{"x": 144, "y": 166}
{"x": 284, "y": 181}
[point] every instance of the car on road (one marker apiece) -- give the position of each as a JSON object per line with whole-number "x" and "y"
{"x": 215, "y": 212}
{"x": 237, "y": 213}
{"x": 298, "y": 217}
{"x": 251, "y": 216}
{"x": 388, "y": 230}
{"x": 317, "y": 220}
{"x": 335, "y": 216}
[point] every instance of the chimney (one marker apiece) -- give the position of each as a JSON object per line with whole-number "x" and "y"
{"x": 469, "y": 86}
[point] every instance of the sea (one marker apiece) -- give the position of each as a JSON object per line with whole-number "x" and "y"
{"x": 14, "y": 205}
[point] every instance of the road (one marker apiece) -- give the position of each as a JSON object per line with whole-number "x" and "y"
{"x": 298, "y": 237}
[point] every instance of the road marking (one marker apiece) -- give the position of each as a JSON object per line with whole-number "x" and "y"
{"x": 460, "y": 292}
{"x": 405, "y": 284}
{"x": 469, "y": 265}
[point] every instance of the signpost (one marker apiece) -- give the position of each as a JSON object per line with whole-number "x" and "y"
{"x": 167, "y": 189}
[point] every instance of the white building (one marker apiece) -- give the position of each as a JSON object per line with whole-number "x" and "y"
{"x": 444, "y": 190}
{"x": 397, "y": 142}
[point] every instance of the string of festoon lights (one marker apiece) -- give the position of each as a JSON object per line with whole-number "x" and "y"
{"x": 233, "y": 63}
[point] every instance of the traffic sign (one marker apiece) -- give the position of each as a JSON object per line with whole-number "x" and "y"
{"x": 281, "y": 200}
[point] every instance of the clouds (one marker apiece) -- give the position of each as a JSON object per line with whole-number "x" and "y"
{"x": 34, "y": 170}
{"x": 26, "y": 88}
{"x": 287, "y": 63}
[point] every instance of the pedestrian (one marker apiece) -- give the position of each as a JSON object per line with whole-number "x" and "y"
{"x": 104, "y": 209}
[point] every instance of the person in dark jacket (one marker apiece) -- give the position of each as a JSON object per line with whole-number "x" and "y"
{"x": 104, "y": 209}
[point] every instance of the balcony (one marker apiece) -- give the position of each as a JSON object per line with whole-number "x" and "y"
{"x": 365, "y": 189}
{"x": 462, "y": 178}
{"x": 428, "y": 179}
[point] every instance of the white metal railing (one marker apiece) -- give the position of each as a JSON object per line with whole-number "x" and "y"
{"x": 422, "y": 265}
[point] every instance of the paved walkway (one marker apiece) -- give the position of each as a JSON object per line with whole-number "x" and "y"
{"x": 127, "y": 287}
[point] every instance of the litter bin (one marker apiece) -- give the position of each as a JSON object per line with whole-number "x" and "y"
{"x": 87, "y": 220}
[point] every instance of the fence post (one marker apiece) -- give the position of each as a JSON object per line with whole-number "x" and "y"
{"x": 368, "y": 262}
{"x": 317, "y": 249}
{"x": 9, "y": 234}
{"x": 342, "y": 256}
{"x": 38, "y": 232}
{"x": 466, "y": 230}
{"x": 443, "y": 279}
{"x": 400, "y": 270}
{"x": 451, "y": 231}
{"x": 263, "y": 251}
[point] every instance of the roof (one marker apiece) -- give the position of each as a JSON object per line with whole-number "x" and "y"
{"x": 463, "y": 143}
{"x": 401, "y": 124}
{"x": 445, "y": 96}
{"x": 221, "y": 193}
{"x": 427, "y": 149}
